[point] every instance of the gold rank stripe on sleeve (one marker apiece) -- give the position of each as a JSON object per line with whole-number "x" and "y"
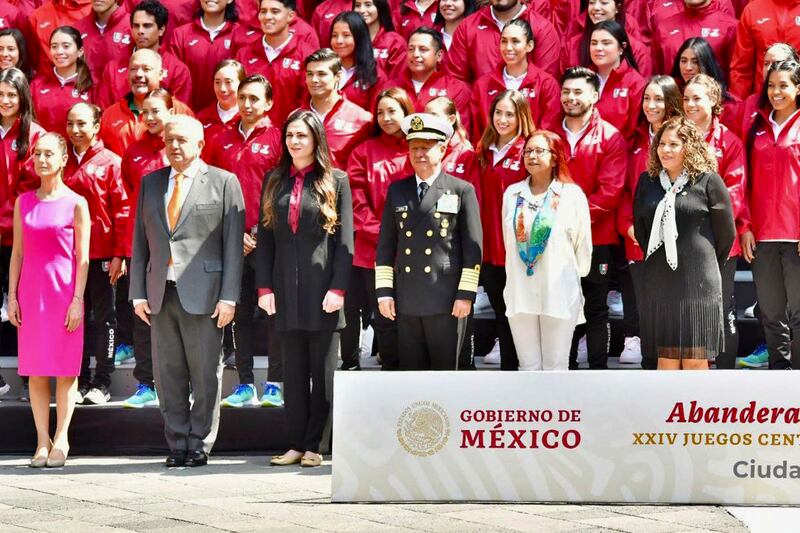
{"x": 469, "y": 280}
{"x": 384, "y": 277}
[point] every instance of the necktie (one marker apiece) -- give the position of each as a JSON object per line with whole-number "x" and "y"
{"x": 423, "y": 188}
{"x": 173, "y": 206}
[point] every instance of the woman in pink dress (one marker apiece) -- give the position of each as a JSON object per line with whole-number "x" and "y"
{"x": 49, "y": 265}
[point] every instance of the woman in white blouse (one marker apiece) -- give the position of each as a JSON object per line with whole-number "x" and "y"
{"x": 548, "y": 242}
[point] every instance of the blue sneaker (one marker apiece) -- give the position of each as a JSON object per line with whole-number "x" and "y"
{"x": 123, "y": 353}
{"x": 758, "y": 359}
{"x": 145, "y": 396}
{"x": 273, "y": 396}
{"x": 242, "y": 395}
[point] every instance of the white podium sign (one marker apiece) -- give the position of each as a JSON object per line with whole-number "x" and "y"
{"x": 723, "y": 437}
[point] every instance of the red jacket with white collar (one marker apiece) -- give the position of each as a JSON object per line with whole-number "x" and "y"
{"x": 346, "y": 126}
{"x": 16, "y": 176}
{"x": 250, "y": 32}
{"x": 456, "y": 158}
{"x": 540, "y": 88}
{"x": 114, "y": 82}
{"x": 286, "y": 74}
{"x": 212, "y": 126}
{"x": 141, "y": 158}
{"x": 599, "y": 164}
{"x": 773, "y": 197}
{"x": 390, "y": 51}
{"x": 493, "y": 180}
{"x": 732, "y": 165}
{"x": 98, "y": 179}
{"x": 324, "y": 13}
{"x": 763, "y": 22}
{"x": 663, "y": 9}
{"x": 120, "y": 126}
{"x": 193, "y": 46}
{"x": 51, "y": 100}
{"x": 439, "y": 84}
{"x": 373, "y": 166}
{"x": 101, "y": 48}
{"x": 364, "y": 98}
{"x": 406, "y": 23}
{"x": 250, "y": 159}
{"x": 479, "y": 33}
{"x": 710, "y": 22}
{"x": 621, "y": 100}
{"x": 637, "y": 164}
{"x": 49, "y": 16}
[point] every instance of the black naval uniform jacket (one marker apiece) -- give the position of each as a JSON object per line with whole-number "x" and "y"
{"x": 429, "y": 253}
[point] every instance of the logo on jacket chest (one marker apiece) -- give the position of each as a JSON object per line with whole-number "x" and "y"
{"x": 93, "y": 170}
{"x": 380, "y": 53}
{"x": 528, "y": 92}
{"x": 511, "y": 165}
{"x": 227, "y": 43}
{"x": 258, "y": 148}
{"x": 621, "y": 92}
{"x": 292, "y": 64}
{"x": 343, "y": 126}
{"x": 434, "y": 92}
{"x": 77, "y": 94}
{"x": 3, "y": 23}
{"x": 121, "y": 38}
{"x": 712, "y": 32}
{"x": 453, "y": 168}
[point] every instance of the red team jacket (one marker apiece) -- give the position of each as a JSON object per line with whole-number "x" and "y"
{"x": 390, "y": 51}
{"x": 17, "y": 177}
{"x": 52, "y": 101}
{"x": 250, "y": 32}
{"x": 98, "y": 179}
{"x": 286, "y": 74}
{"x": 324, "y": 13}
{"x": 363, "y": 98}
{"x": 120, "y": 126}
{"x": 406, "y": 23}
{"x": 763, "y": 22}
{"x": 113, "y": 44}
{"x": 621, "y": 99}
{"x": 114, "y": 82}
{"x": 47, "y": 18}
{"x": 193, "y": 46}
{"x": 479, "y": 33}
{"x": 598, "y": 164}
{"x": 141, "y": 158}
{"x": 250, "y": 159}
{"x": 637, "y": 164}
{"x": 212, "y": 126}
{"x": 540, "y": 88}
{"x": 439, "y": 84}
{"x": 373, "y": 166}
{"x": 346, "y": 126}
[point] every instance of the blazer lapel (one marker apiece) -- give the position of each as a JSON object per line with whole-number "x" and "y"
{"x": 198, "y": 184}
{"x": 429, "y": 200}
{"x": 161, "y": 188}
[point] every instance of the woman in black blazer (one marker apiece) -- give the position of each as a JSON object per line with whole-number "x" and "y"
{"x": 304, "y": 256}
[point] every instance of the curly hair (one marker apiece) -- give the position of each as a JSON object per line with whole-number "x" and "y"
{"x": 698, "y": 158}
{"x": 713, "y": 90}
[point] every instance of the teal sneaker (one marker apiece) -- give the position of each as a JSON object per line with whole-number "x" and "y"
{"x": 123, "y": 353}
{"x": 758, "y": 359}
{"x": 242, "y": 395}
{"x": 145, "y": 396}
{"x": 273, "y": 396}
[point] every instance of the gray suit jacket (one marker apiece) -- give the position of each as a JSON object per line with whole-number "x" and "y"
{"x": 206, "y": 246}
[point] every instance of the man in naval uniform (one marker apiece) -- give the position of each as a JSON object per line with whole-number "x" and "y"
{"x": 429, "y": 252}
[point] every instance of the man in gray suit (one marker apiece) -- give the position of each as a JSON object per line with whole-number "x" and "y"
{"x": 185, "y": 278}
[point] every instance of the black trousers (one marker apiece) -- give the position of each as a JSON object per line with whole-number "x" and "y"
{"x": 134, "y": 331}
{"x": 308, "y": 354}
{"x": 431, "y": 342}
{"x": 243, "y": 324}
{"x": 727, "y": 357}
{"x": 99, "y": 300}
{"x": 595, "y": 309}
{"x": 493, "y": 279}
{"x": 360, "y": 304}
{"x": 776, "y": 272}
{"x": 636, "y": 279}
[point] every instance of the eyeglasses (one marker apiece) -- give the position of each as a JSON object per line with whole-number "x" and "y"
{"x": 538, "y": 151}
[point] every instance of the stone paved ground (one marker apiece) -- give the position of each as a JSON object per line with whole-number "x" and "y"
{"x": 98, "y": 494}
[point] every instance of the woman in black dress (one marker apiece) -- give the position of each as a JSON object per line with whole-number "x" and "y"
{"x": 303, "y": 260}
{"x": 684, "y": 222}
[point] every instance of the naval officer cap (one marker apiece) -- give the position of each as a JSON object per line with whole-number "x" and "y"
{"x": 426, "y": 126}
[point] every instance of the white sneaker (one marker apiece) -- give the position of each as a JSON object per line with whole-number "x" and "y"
{"x": 750, "y": 312}
{"x": 614, "y": 302}
{"x": 493, "y": 357}
{"x": 583, "y": 351}
{"x": 632, "y": 352}
{"x": 4, "y": 309}
{"x": 367, "y": 337}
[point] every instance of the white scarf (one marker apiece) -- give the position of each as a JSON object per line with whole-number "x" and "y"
{"x": 665, "y": 230}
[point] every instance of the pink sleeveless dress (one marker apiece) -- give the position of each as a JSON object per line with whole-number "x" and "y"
{"x": 46, "y": 287}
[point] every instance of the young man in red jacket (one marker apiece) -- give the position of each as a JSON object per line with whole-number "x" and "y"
{"x": 422, "y": 79}
{"x": 148, "y": 24}
{"x": 479, "y": 33}
{"x": 94, "y": 173}
{"x": 250, "y": 148}
{"x": 106, "y": 34}
{"x": 763, "y": 23}
{"x": 278, "y": 56}
{"x": 598, "y": 163}
{"x": 346, "y": 124}
{"x": 698, "y": 18}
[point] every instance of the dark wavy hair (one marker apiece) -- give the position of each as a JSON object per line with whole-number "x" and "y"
{"x": 384, "y": 13}
{"x": 618, "y": 33}
{"x": 84, "y": 81}
{"x": 15, "y": 78}
{"x": 324, "y": 186}
{"x": 364, "y": 59}
{"x": 698, "y": 159}
{"x": 22, "y": 47}
{"x": 673, "y": 100}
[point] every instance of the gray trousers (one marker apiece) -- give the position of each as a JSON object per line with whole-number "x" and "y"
{"x": 187, "y": 351}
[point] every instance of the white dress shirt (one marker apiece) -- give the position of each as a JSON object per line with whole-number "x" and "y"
{"x": 226, "y": 116}
{"x": 273, "y": 53}
{"x": 513, "y": 83}
{"x": 212, "y": 32}
{"x": 573, "y": 138}
{"x": 499, "y": 153}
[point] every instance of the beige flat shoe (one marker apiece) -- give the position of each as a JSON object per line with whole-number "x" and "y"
{"x": 314, "y": 460}
{"x": 40, "y": 460}
{"x": 57, "y": 458}
{"x": 283, "y": 460}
